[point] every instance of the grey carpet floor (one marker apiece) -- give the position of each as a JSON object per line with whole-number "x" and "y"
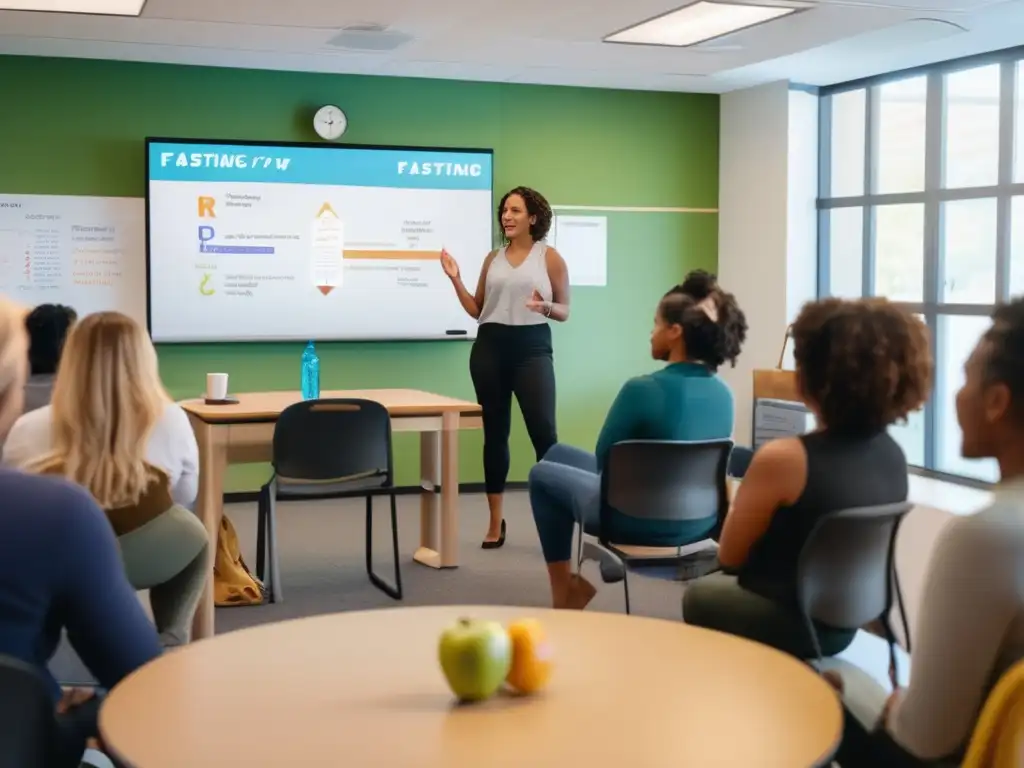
{"x": 320, "y": 548}
{"x": 320, "y": 545}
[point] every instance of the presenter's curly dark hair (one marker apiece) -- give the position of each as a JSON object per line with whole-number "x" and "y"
{"x": 708, "y": 340}
{"x": 1004, "y": 362}
{"x": 863, "y": 364}
{"x": 699, "y": 284}
{"x": 536, "y": 205}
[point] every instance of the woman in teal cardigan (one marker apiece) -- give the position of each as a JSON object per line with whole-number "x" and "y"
{"x": 697, "y": 327}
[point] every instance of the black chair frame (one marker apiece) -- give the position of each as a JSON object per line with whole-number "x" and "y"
{"x": 339, "y": 476}
{"x": 893, "y": 593}
{"x": 614, "y": 562}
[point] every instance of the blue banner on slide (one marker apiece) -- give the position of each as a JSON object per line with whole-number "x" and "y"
{"x": 336, "y": 166}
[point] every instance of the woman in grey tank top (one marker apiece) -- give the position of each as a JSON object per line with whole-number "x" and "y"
{"x": 522, "y": 286}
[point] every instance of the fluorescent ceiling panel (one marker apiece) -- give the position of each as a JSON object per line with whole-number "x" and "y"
{"x": 698, "y": 22}
{"x": 104, "y": 7}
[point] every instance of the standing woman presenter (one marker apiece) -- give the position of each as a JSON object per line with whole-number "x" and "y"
{"x": 522, "y": 286}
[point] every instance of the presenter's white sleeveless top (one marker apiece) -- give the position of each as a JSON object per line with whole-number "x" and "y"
{"x": 508, "y": 288}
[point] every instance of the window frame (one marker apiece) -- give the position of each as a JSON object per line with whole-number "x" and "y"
{"x": 932, "y": 197}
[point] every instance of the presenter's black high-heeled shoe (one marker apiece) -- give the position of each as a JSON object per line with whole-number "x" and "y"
{"x": 496, "y": 544}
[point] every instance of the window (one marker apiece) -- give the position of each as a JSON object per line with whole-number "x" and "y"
{"x": 910, "y": 436}
{"x": 846, "y": 251}
{"x": 1017, "y": 246}
{"x": 957, "y": 336}
{"x": 922, "y": 201}
{"x": 848, "y": 110}
{"x": 971, "y": 153}
{"x": 899, "y": 252}
{"x": 1018, "y": 130}
{"x": 900, "y": 135}
{"x": 968, "y": 252}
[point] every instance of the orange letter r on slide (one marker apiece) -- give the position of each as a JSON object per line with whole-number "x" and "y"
{"x": 206, "y": 208}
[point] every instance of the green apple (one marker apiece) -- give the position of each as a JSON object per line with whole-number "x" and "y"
{"x": 475, "y": 658}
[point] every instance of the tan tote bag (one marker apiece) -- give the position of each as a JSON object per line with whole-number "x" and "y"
{"x": 776, "y": 383}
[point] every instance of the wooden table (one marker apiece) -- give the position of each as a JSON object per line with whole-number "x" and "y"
{"x": 242, "y": 433}
{"x": 365, "y": 689}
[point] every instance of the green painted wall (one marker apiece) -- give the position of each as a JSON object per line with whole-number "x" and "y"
{"x": 76, "y": 127}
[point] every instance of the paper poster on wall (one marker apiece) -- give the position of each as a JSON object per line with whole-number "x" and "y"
{"x": 583, "y": 243}
{"x": 86, "y": 252}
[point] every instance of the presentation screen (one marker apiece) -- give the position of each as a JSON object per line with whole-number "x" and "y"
{"x": 291, "y": 242}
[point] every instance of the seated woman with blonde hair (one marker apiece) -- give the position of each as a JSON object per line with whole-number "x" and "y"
{"x": 112, "y": 428}
{"x": 60, "y": 571}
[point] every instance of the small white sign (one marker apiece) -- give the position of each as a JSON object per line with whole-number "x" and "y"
{"x": 583, "y": 243}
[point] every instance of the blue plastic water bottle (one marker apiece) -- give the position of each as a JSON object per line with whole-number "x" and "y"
{"x": 310, "y": 373}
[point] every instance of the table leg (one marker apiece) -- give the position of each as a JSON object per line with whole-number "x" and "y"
{"x": 213, "y": 461}
{"x": 449, "y": 490}
{"x": 430, "y": 481}
{"x": 439, "y": 512}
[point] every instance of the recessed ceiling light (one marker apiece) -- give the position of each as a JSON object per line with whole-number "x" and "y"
{"x": 101, "y": 7}
{"x": 695, "y": 23}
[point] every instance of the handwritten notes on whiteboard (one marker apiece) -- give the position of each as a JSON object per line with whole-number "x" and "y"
{"x": 86, "y": 252}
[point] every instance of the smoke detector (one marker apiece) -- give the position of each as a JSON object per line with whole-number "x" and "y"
{"x": 369, "y": 37}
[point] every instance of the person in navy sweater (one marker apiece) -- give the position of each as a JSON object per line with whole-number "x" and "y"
{"x": 60, "y": 569}
{"x": 685, "y": 400}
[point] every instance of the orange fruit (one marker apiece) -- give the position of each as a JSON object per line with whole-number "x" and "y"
{"x": 531, "y": 656}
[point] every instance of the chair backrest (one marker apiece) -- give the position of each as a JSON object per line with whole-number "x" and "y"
{"x": 333, "y": 439}
{"x": 998, "y": 737}
{"x": 667, "y": 479}
{"x": 846, "y": 571}
{"x": 27, "y": 727}
{"x": 739, "y": 461}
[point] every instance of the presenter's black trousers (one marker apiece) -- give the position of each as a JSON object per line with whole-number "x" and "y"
{"x": 512, "y": 360}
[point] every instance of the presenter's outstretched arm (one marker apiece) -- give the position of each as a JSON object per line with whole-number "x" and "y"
{"x": 471, "y": 302}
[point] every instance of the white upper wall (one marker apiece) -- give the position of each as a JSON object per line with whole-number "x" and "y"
{"x": 767, "y": 230}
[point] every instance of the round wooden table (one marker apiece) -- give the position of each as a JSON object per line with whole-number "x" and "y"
{"x": 365, "y": 689}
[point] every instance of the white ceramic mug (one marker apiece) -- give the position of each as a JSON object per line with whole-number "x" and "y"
{"x": 216, "y": 386}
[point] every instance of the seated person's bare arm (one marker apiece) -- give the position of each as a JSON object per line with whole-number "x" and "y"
{"x": 776, "y": 478}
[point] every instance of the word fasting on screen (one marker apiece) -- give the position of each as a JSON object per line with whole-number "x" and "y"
{"x": 222, "y": 160}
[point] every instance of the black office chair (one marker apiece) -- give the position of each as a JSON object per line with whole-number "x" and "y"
{"x": 666, "y": 480}
{"x": 846, "y": 574}
{"x": 330, "y": 448}
{"x": 739, "y": 461}
{"x": 27, "y": 724}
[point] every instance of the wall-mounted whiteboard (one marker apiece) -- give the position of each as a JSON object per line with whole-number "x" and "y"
{"x": 86, "y": 252}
